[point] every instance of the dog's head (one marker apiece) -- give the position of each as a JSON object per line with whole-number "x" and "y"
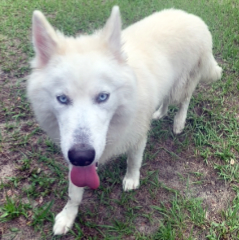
{"x": 80, "y": 87}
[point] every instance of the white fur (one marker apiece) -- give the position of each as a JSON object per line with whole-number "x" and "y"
{"x": 155, "y": 62}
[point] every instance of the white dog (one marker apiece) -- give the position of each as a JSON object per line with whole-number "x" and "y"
{"x": 96, "y": 95}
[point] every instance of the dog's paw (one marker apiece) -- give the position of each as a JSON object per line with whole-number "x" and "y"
{"x": 178, "y": 124}
{"x": 158, "y": 115}
{"x": 64, "y": 222}
{"x": 130, "y": 183}
{"x": 178, "y": 128}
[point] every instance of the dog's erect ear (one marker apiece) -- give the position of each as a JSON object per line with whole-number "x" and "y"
{"x": 44, "y": 39}
{"x": 112, "y": 32}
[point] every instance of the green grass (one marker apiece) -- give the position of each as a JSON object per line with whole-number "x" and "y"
{"x": 13, "y": 209}
{"x": 189, "y": 183}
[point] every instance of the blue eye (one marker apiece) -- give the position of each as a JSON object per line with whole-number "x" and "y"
{"x": 63, "y": 99}
{"x": 102, "y": 97}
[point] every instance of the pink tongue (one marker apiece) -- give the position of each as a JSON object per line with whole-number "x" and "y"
{"x": 85, "y": 176}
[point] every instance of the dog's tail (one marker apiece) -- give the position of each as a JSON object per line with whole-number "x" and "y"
{"x": 211, "y": 71}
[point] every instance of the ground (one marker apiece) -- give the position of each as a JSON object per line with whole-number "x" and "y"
{"x": 189, "y": 183}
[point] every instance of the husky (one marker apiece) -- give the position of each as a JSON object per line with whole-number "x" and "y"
{"x": 96, "y": 95}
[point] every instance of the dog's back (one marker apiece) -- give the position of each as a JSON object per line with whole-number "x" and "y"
{"x": 172, "y": 46}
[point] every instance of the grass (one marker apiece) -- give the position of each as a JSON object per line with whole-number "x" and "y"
{"x": 189, "y": 183}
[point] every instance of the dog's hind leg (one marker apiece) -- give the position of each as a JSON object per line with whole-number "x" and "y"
{"x": 65, "y": 219}
{"x": 134, "y": 161}
{"x": 180, "y": 117}
{"x": 186, "y": 92}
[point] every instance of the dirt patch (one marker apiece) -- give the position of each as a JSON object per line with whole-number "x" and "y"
{"x": 18, "y": 231}
{"x": 7, "y": 170}
{"x": 189, "y": 174}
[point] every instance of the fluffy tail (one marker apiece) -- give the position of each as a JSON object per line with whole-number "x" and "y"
{"x": 212, "y": 72}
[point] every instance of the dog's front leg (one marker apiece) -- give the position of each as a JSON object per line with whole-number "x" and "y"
{"x": 65, "y": 219}
{"x": 134, "y": 161}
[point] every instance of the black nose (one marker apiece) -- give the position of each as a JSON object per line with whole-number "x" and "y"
{"x": 81, "y": 155}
